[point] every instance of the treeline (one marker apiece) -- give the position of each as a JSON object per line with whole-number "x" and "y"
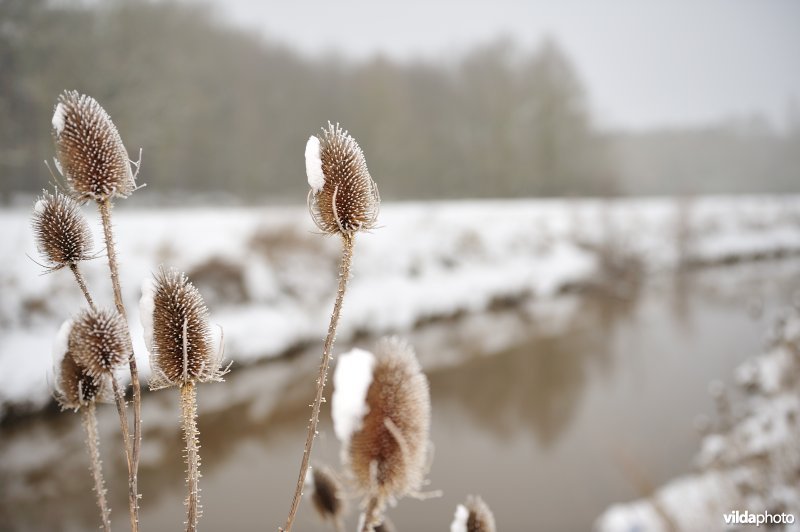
{"x": 217, "y": 109}
{"x": 221, "y": 111}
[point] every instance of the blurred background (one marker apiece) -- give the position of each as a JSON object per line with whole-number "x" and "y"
{"x": 590, "y": 232}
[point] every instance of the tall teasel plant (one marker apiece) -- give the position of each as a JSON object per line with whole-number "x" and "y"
{"x": 381, "y": 414}
{"x": 182, "y": 353}
{"x": 96, "y": 167}
{"x": 343, "y": 200}
{"x": 75, "y": 389}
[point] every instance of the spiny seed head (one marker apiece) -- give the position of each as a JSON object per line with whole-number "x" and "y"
{"x": 385, "y": 526}
{"x": 475, "y": 516}
{"x": 387, "y": 455}
{"x": 343, "y": 198}
{"x": 60, "y": 229}
{"x": 76, "y": 388}
{"x": 89, "y": 150}
{"x": 177, "y": 332}
{"x": 99, "y": 341}
{"x": 326, "y": 493}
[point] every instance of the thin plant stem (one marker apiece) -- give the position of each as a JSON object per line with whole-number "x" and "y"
{"x": 119, "y": 398}
{"x": 133, "y": 469}
{"x": 189, "y": 424}
{"x": 82, "y": 283}
{"x": 344, "y": 273}
{"x": 372, "y": 516}
{"x": 95, "y": 465}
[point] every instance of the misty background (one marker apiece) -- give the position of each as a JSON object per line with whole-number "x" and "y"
{"x": 448, "y": 101}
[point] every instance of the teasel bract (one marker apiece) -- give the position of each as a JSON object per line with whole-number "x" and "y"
{"x": 182, "y": 353}
{"x": 381, "y": 414}
{"x": 93, "y": 160}
{"x": 343, "y": 200}
{"x": 62, "y": 235}
{"x": 474, "y": 516}
{"x": 76, "y": 389}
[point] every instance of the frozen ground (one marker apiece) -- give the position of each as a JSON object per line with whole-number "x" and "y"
{"x": 269, "y": 279}
{"x": 748, "y": 461}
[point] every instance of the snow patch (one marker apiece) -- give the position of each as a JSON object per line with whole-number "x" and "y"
{"x": 351, "y": 381}
{"x": 59, "y": 118}
{"x": 459, "y": 523}
{"x": 316, "y": 178}
{"x": 147, "y": 307}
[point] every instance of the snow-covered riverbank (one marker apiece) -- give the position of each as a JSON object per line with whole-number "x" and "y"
{"x": 269, "y": 280}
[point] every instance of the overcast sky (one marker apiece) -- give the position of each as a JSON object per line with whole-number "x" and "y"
{"x": 645, "y": 62}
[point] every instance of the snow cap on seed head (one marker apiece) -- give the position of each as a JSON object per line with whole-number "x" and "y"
{"x": 387, "y": 450}
{"x": 98, "y": 340}
{"x": 343, "y": 198}
{"x": 177, "y": 332}
{"x": 89, "y": 149}
{"x": 475, "y": 516}
{"x": 62, "y": 234}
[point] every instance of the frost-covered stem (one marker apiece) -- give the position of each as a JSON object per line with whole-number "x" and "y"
{"x": 119, "y": 398}
{"x": 82, "y": 283}
{"x": 189, "y": 424}
{"x": 133, "y": 470}
{"x": 372, "y": 515}
{"x": 95, "y": 466}
{"x": 344, "y": 274}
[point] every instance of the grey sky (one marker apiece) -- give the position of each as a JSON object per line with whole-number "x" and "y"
{"x": 645, "y": 62}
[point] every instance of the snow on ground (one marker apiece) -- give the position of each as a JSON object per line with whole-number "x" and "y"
{"x": 748, "y": 464}
{"x": 269, "y": 278}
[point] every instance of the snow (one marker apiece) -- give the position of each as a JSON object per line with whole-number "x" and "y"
{"x": 316, "y": 178}
{"x": 459, "y": 523}
{"x": 60, "y": 348}
{"x": 427, "y": 260}
{"x": 351, "y": 381}
{"x": 59, "y": 117}
{"x": 147, "y": 307}
{"x": 40, "y": 206}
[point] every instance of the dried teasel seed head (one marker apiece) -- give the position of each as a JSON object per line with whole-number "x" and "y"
{"x": 89, "y": 150}
{"x": 177, "y": 332}
{"x": 62, "y": 234}
{"x": 343, "y": 198}
{"x": 74, "y": 387}
{"x": 381, "y": 412}
{"x": 326, "y": 493}
{"x": 99, "y": 341}
{"x": 475, "y": 516}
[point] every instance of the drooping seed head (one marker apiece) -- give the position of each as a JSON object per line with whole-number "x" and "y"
{"x": 386, "y": 451}
{"x": 343, "y": 198}
{"x": 326, "y": 493}
{"x": 99, "y": 341}
{"x": 177, "y": 332}
{"x": 89, "y": 150}
{"x": 475, "y": 516}
{"x": 74, "y": 388}
{"x": 62, "y": 234}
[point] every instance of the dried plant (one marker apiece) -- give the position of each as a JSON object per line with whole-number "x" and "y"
{"x": 326, "y": 495}
{"x": 62, "y": 235}
{"x": 474, "y": 516}
{"x": 76, "y": 389}
{"x": 343, "y": 200}
{"x": 381, "y": 413}
{"x": 182, "y": 353}
{"x": 96, "y": 166}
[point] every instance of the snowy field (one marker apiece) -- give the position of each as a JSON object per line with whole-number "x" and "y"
{"x": 269, "y": 279}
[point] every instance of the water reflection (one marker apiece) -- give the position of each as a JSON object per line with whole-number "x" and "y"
{"x": 531, "y": 404}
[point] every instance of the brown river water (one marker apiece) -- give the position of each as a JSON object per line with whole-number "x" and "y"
{"x": 551, "y": 410}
